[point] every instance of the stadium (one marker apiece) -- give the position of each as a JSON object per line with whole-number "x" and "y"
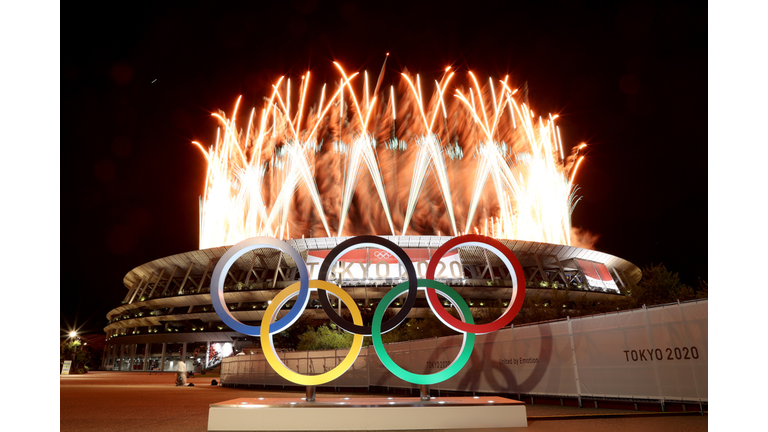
{"x": 167, "y": 310}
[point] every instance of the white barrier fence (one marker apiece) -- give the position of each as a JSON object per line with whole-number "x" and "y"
{"x": 657, "y": 353}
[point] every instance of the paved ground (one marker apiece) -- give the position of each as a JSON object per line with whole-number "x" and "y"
{"x": 128, "y": 401}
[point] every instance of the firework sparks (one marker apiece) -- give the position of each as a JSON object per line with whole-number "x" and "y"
{"x": 277, "y": 177}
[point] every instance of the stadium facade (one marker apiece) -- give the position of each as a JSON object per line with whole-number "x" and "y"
{"x": 167, "y": 315}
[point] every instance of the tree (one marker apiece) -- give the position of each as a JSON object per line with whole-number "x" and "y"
{"x": 323, "y": 337}
{"x": 79, "y": 354}
{"x": 290, "y": 337}
{"x": 659, "y": 286}
{"x": 703, "y": 291}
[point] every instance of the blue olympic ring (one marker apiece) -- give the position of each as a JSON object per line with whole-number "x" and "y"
{"x": 229, "y": 258}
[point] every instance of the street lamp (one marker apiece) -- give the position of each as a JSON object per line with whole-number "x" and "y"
{"x": 73, "y": 336}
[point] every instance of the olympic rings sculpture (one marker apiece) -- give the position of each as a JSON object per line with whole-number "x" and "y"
{"x": 302, "y": 289}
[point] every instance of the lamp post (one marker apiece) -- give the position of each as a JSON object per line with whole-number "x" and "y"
{"x": 73, "y": 336}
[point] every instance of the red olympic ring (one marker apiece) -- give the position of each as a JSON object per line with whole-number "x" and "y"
{"x": 518, "y": 282}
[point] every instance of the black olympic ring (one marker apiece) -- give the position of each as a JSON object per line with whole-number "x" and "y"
{"x": 350, "y": 244}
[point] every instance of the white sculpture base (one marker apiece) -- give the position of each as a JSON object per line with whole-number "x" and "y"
{"x": 342, "y": 414}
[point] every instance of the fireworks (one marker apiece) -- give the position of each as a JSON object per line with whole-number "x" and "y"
{"x": 389, "y": 163}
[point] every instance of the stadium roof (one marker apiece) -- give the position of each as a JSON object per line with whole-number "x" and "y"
{"x": 527, "y": 252}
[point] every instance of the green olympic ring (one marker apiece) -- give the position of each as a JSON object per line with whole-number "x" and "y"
{"x": 467, "y": 344}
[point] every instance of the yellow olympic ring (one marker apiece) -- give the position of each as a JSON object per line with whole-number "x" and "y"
{"x": 311, "y": 380}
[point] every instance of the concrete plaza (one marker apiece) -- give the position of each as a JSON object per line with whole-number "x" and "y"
{"x": 137, "y": 401}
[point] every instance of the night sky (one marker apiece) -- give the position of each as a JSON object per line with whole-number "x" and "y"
{"x": 139, "y": 83}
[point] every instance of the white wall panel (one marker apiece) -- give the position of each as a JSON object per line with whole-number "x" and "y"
{"x": 655, "y": 353}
